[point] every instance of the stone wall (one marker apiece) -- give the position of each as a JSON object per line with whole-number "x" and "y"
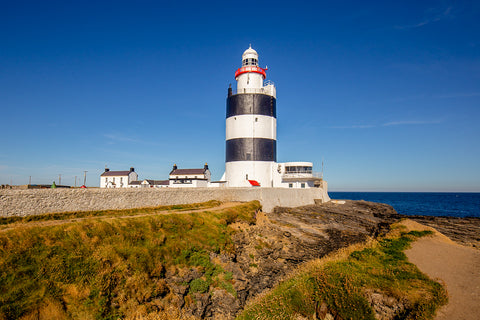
{"x": 31, "y": 202}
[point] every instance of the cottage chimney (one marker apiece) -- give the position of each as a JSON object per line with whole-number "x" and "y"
{"x": 132, "y": 169}
{"x": 106, "y": 169}
{"x": 174, "y": 168}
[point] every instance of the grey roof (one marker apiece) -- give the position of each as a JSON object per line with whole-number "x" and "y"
{"x": 135, "y": 182}
{"x": 180, "y": 172}
{"x": 115, "y": 173}
{"x": 158, "y": 182}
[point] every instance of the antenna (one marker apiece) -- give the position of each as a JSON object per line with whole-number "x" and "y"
{"x": 322, "y": 168}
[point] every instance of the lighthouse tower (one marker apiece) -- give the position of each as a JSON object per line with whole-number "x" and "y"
{"x": 251, "y": 127}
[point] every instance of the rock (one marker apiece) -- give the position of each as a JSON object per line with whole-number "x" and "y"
{"x": 328, "y": 316}
{"x": 224, "y": 305}
{"x": 322, "y": 311}
{"x": 190, "y": 275}
{"x": 385, "y": 306}
{"x": 201, "y": 301}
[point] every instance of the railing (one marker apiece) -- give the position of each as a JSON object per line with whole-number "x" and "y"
{"x": 265, "y": 89}
{"x": 318, "y": 175}
{"x": 250, "y": 90}
{"x": 268, "y": 82}
{"x": 300, "y": 174}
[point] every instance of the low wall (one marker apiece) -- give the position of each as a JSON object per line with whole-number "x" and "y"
{"x": 30, "y": 202}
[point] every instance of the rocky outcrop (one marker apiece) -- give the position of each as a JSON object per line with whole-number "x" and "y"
{"x": 265, "y": 252}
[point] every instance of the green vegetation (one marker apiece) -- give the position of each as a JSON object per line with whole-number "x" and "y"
{"x": 99, "y": 213}
{"x": 112, "y": 268}
{"x": 343, "y": 285}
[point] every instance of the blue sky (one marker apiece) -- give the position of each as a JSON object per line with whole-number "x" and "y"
{"x": 386, "y": 94}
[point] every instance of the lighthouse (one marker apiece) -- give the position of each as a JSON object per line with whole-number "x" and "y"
{"x": 251, "y": 127}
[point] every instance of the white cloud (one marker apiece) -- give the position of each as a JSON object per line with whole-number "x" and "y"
{"x": 410, "y": 122}
{"x": 364, "y": 126}
{"x": 458, "y": 95}
{"x": 389, "y": 124}
{"x": 434, "y": 15}
{"x": 119, "y": 138}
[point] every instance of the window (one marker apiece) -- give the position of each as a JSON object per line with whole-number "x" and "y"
{"x": 303, "y": 185}
{"x": 290, "y": 185}
{"x": 256, "y": 119}
{"x": 246, "y": 176}
{"x": 298, "y": 169}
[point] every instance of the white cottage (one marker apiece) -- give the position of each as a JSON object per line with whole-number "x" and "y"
{"x": 135, "y": 184}
{"x": 117, "y": 179}
{"x": 148, "y": 183}
{"x": 189, "y": 178}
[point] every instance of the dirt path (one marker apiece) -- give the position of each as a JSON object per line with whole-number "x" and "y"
{"x": 45, "y": 223}
{"x": 457, "y": 266}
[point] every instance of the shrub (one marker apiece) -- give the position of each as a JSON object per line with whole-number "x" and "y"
{"x": 199, "y": 285}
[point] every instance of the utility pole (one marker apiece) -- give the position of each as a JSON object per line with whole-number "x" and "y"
{"x": 30, "y": 180}
{"x": 85, "y": 178}
{"x": 59, "y": 179}
{"x": 75, "y": 181}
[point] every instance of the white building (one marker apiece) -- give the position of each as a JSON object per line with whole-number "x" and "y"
{"x": 251, "y": 134}
{"x": 135, "y": 184}
{"x": 117, "y": 179}
{"x": 189, "y": 178}
{"x": 296, "y": 175}
{"x": 149, "y": 183}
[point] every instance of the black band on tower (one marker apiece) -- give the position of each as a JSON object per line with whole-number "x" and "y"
{"x": 251, "y": 149}
{"x": 251, "y": 103}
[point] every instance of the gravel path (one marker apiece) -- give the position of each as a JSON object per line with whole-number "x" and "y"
{"x": 455, "y": 265}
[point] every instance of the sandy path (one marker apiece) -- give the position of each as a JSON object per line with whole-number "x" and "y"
{"x": 458, "y": 267}
{"x": 45, "y": 223}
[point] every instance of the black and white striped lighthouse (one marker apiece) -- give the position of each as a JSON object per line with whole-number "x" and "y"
{"x": 251, "y": 127}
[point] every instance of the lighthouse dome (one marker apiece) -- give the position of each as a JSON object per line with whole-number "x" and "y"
{"x": 250, "y": 57}
{"x": 250, "y": 53}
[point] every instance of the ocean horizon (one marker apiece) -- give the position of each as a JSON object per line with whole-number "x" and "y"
{"x": 450, "y": 204}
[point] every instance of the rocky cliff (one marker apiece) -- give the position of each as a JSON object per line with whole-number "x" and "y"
{"x": 268, "y": 250}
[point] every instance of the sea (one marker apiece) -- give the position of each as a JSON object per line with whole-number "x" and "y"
{"x": 421, "y": 203}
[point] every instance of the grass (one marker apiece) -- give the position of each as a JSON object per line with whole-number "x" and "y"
{"x": 99, "y": 213}
{"x": 115, "y": 268}
{"x": 342, "y": 285}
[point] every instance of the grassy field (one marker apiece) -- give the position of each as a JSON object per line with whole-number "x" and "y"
{"x": 340, "y": 286}
{"x": 109, "y": 269}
